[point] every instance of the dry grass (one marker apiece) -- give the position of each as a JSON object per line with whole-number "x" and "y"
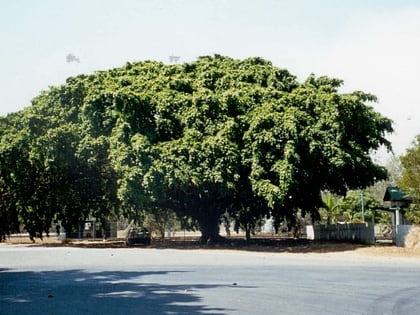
{"x": 25, "y": 240}
{"x": 412, "y": 240}
{"x": 269, "y": 245}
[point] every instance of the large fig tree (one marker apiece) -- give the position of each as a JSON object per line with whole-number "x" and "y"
{"x": 205, "y": 138}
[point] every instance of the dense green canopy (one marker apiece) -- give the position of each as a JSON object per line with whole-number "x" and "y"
{"x": 203, "y": 138}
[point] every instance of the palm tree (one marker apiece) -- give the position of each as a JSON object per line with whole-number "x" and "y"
{"x": 330, "y": 210}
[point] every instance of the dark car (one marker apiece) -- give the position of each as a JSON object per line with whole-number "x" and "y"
{"x": 138, "y": 236}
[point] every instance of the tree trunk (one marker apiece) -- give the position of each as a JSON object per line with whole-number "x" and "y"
{"x": 248, "y": 232}
{"x": 209, "y": 227}
{"x": 209, "y": 233}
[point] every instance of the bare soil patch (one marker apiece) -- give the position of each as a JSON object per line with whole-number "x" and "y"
{"x": 389, "y": 251}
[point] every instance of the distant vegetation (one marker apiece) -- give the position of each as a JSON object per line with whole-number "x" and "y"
{"x": 410, "y": 179}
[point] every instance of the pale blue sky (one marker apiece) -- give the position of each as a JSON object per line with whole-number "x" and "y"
{"x": 373, "y": 45}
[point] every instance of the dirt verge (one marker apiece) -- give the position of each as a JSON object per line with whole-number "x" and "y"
{"x": 270, "y": 245}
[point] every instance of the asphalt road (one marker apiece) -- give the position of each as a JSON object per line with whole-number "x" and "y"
{"x": 64, "y": 280}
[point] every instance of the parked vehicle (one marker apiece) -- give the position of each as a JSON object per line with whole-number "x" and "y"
{"x": 138, "y": 236}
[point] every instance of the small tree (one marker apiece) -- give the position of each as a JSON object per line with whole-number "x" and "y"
{"x": 330, "y": 209}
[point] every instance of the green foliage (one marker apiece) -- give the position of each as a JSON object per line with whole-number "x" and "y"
{"x": 351, "y": 206}
{"x": 348, "y": 208}
{"x": 54, "y": 168}
{"x": 202, "y": 139}
{"x": 410, "y": 179}
{"x": 159, "y": 220}
{"x": 330, "y": 211}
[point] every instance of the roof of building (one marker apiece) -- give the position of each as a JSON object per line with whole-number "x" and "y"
{"x": 393, "y": 193}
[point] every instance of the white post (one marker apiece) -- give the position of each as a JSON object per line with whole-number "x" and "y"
{"x": 362, "y": 205}
{"x": 397, "y": 217}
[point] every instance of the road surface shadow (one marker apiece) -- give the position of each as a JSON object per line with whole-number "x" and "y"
{"x": 276, "y": 245}
{"x": 105, "y": 292}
